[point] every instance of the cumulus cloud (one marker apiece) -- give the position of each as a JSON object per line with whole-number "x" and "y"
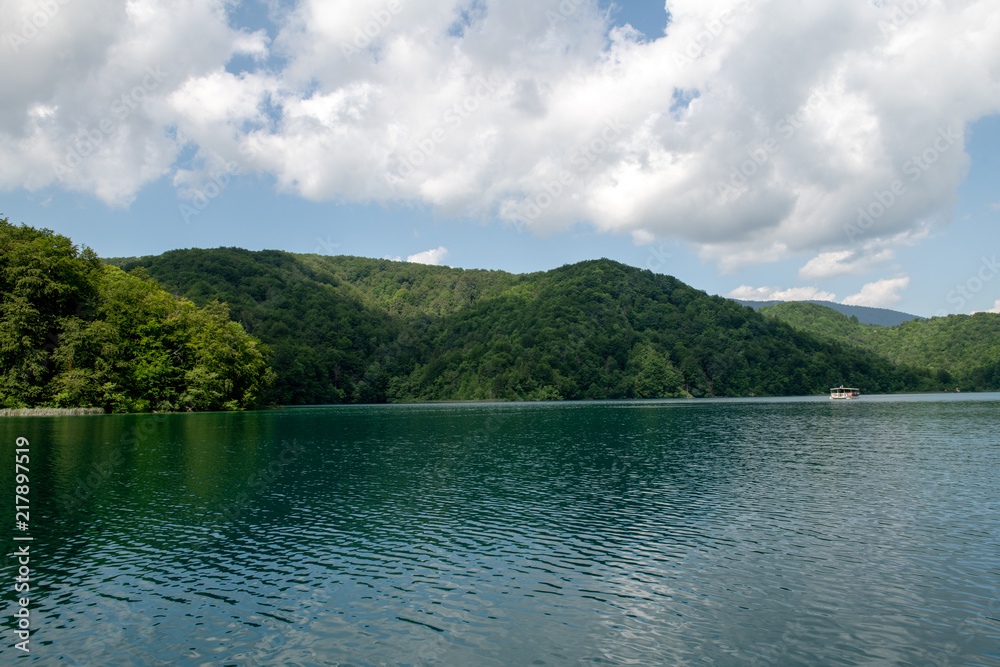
{"x": 994, "y": 309}
{"x": 863, "y": 258}
{"x": 432, "y": 257}
{"x": 85, "y": 89}
{"x": 884, "y": 293}
{"x": 844, "y": 263}
{"x": 748, "y": 293}
{"x": 754, "y": 131}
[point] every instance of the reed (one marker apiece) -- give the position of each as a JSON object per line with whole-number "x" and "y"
{"x": 48, "y": 412}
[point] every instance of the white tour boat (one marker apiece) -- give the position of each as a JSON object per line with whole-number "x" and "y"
{"x": 844, "y": 392}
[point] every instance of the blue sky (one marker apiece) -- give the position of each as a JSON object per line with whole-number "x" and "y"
{"x": 736, "y": 148}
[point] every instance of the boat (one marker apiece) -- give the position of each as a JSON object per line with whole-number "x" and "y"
{"x": 845, "y": 392}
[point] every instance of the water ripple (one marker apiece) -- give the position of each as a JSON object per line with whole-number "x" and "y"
{"x": 726, "y": 532}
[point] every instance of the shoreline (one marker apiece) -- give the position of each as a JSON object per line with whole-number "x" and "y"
{"x": 70, "y": 412}
{"x": 49, "y": 412}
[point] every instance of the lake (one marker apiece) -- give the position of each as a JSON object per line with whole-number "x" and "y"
{"x": 796, "y": 531}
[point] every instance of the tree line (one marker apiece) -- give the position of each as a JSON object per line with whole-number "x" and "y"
{"x": 228, "y": 328}
{"x": 75, "y": 332}
{"x": 351, "y": 329}
{"x": 957, "y": 351}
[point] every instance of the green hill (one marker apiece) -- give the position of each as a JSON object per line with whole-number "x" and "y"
{"x": 229, "y": 328}
{"x": 76, "y": 333}
{"x": 959, "y": 350}
{"x": 339, "y": 328}
{"x": 365, "y": 330}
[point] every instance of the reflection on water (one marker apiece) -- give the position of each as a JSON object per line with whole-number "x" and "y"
{"x": 672, "y": 532}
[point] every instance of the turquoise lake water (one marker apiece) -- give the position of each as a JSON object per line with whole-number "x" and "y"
{"x": 702, "y": 532}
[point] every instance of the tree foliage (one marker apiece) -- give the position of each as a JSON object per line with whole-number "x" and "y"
{"x": 350, "y": 329}
{"x": 77, "y": 333}
{"x": 957, "y": 351}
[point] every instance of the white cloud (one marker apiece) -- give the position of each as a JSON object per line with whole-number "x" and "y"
{"x": 85, "y": 97}
{"x": 790, "y": 121}
{"x": 881, "y": 294}
{"x": 844, "y": 263}
{"x": 863, "y": 258}
{"x": 748, "y": 293}
{"x": 994, "y": 309}
{"x": 432, "y": 257}
{"x": 642, "y": 237}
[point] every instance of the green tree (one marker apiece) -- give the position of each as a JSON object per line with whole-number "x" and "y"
{"x": 655, "y": 376}
{"x": 45, "y": 281}
{"x": 76, "y": 333}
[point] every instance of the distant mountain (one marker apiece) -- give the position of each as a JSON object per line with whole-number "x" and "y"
{"x": 881, "y": 316}
{"x": 351, "y": 329}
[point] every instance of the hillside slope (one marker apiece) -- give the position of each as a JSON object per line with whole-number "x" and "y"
{"x": 78, "y": 334}
{"x": 355, "y": 329}
{"x": 960, "y": 350}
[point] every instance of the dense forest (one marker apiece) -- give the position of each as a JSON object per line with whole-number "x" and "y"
{"x": 75, "y": 332}
{"x": 230, "y": 329}
{"x": 349, "y": 329}
{"x": 961, "y": 351}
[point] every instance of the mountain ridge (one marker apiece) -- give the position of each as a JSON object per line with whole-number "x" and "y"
{"x": 350, "y": 329}
{"x": 229, "y": 328}
{"x": 865, "y": 314}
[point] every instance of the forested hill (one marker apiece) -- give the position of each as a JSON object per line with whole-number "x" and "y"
{"x": 961, "y": 350}
{"x": 158, "y": 333}
{"x": 77, "y": 333}
{"x": 349, "y": 329}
